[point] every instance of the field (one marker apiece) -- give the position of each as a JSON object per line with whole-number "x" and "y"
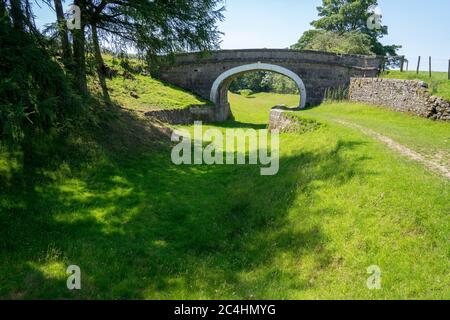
{"x": 140, "y": 227}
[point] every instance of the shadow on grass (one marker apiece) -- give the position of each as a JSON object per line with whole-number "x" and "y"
{"x": 239, "y": 125}
{"x": 141, "y": 227}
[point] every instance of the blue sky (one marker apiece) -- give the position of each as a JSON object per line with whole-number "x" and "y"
{"x": 422, "y": 27}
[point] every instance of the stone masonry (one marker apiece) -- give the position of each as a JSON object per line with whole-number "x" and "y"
{"x": 318, "y": 70}
{"x": 279, "y": 120}
{"x": 283, "y": 119}
{"x": 188, "y": 115}
{"x": 401, "y": 95}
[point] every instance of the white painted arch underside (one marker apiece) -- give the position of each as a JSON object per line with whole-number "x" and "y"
{"x": 215, "y": 96}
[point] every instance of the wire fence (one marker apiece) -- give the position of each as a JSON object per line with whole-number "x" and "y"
{"x": 417, "y": 64}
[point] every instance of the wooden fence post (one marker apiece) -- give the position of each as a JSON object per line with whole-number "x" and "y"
{"x": 402, "y": 63}
{"x": 448, "y": 69}
{"x": 418, "y": 65}
{"x": 429, "y": 66}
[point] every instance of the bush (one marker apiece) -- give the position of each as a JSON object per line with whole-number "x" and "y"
{"x": 245, "y": 92}
{"x": 346, "y": 43}
{"x": 281, "y": 84}
{"x": 35, "y": 92}
{"x": 263, "y": 81}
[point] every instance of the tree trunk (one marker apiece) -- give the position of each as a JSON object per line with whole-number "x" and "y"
{"x": 2, "y": 8}
{"x": 62, "y": 29}
{"x": 17, "y": 14}
{"x": 100, "y": 63}
{"x": 79, "y": 54}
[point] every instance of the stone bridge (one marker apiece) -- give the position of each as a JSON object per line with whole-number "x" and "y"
{"x": 209, "y": 75}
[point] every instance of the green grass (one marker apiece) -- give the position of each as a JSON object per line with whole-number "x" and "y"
{"x": 151, "y": 93}
{"x": 439, "y": 84}
{"x": 141, "y": 227}
{"x": 428, "y": 137}
{"x": 255, "y": 108}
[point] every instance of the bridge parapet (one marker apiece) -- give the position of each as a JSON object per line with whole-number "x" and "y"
{"x": 318, "y": 70}
{"x": 283, "y": 55}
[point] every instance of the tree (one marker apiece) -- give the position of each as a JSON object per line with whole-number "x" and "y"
{"x": 16, "y": 12}
{"x": 306, "y": 39}
{"x": 279, "y": 83}
{"x": 79, "y": 55}
{"x": 348, "y": 16}
{"x": 62, "y": 31}
{"x": 347, "y": 43}
{"x": 153, "y": 27}
{"x": 251, "y": 81}
{"x": 263, "y": 81}
{"x": 36, "y": 95}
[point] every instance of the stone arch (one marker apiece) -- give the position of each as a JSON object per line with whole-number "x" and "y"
{"x": 219, "y": 89}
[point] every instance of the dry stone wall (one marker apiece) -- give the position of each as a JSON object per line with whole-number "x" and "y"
{"x": 279, "y": 120}
{"x": 401, "y": 95}
{"x": 282, "y": 119}
{"x": 189, "y": 115}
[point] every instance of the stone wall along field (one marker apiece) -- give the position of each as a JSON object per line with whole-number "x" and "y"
{"x": 401, "y": 95}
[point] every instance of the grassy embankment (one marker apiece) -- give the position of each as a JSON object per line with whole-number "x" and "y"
{"x": 140, "y": 227}
{"x": 142, "y": 93}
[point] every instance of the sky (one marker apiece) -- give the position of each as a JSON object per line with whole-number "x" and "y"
{"x": 421, "y": 27}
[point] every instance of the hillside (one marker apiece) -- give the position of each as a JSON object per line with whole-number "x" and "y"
{"x": 133, "y": 88}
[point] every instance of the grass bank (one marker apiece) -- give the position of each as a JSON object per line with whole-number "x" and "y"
{"x": 134, "y": 89}
{"x": 428, "y": 137}
{"x": 140, "y": 227}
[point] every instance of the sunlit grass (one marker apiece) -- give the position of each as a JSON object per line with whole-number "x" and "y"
{"x": 151, "y": 94}
{"x": 133, "y": 90}
{"x": 431, "y": 138}
{"x": 140, "y": 227}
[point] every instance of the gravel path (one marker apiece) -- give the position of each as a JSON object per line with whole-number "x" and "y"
{"x": 432, "y": 165}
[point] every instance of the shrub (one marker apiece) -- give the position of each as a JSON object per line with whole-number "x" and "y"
{"x": 346, "y": 43}
{"x": 36, "y": 93}
{"x": 245, "y": 92}
{"x": 336, "y": 94}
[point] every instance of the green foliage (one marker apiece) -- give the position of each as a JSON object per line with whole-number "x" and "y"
{"x": 347, "y": 43}
{"x": 263, "y": 81}
{"x": 36, "y": 94}
{"x": 336, "y": 94}
{"x": 300, "y": 125}
{"x": 306, "y": 39}
{"x": 347, "y": 15}
{"x": 159, "y": 26}
{"x": 342, "y": 27}
{"x": 279, "y": 83}
{"x": 253, "y": 81}
{"x": 245, "y": 92}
